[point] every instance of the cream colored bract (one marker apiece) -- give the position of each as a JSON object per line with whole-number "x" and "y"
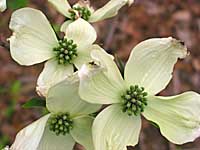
{"x": 61, "y": 98}
{"x": 150, "y": 66}
{"x": 33, "y": 41}
{"x": 2, "y": 5}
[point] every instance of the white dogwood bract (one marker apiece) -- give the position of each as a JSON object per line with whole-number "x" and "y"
{"x": 130, "y": 2}
{"x": 3, "y": 5}
{"x": 34, "y": 40}
{"x": 150, "y": 66}
{"x": 107, "y": 11}
{"x": 61, "y": 98}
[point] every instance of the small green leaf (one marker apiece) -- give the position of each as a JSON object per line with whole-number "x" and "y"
{"x": 16, "y": 4}
{"x": 56, "y": 28}
{"x": 4, "y": 140}
{"x": 35, "y": 102}
{"x": 15, "y": 87}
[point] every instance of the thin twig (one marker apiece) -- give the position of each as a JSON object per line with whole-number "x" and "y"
{"x": 111, "y": 32}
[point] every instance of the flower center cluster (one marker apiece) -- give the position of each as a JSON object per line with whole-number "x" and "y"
{"x": 60, "y": 123}
{"x": 66, "y": 51}
{"x": 82, "y": 12}
{"x": 134, "y": 100}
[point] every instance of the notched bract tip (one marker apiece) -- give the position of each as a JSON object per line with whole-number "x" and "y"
{"x": 90, "y": 69}
{"x": 180, "y": 45}
{"x": 93, "y": 64}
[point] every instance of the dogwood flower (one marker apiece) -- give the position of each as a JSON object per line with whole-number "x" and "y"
{"x": 147, "y": 72}
{"x": 34, "y": 41}
{"x": 2, "y": 5}
{"x": 68, "y": 121}
{"x": 83, "y": 10}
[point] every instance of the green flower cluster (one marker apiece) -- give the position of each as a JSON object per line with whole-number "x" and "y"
{"x": 66, "y": 51}
{"x": 83, "y": 12}
{"x": 60, "y": 123}
{"x": 134, "y": 100}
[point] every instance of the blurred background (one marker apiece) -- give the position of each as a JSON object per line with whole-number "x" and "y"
{"x": 145, "y": 19}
